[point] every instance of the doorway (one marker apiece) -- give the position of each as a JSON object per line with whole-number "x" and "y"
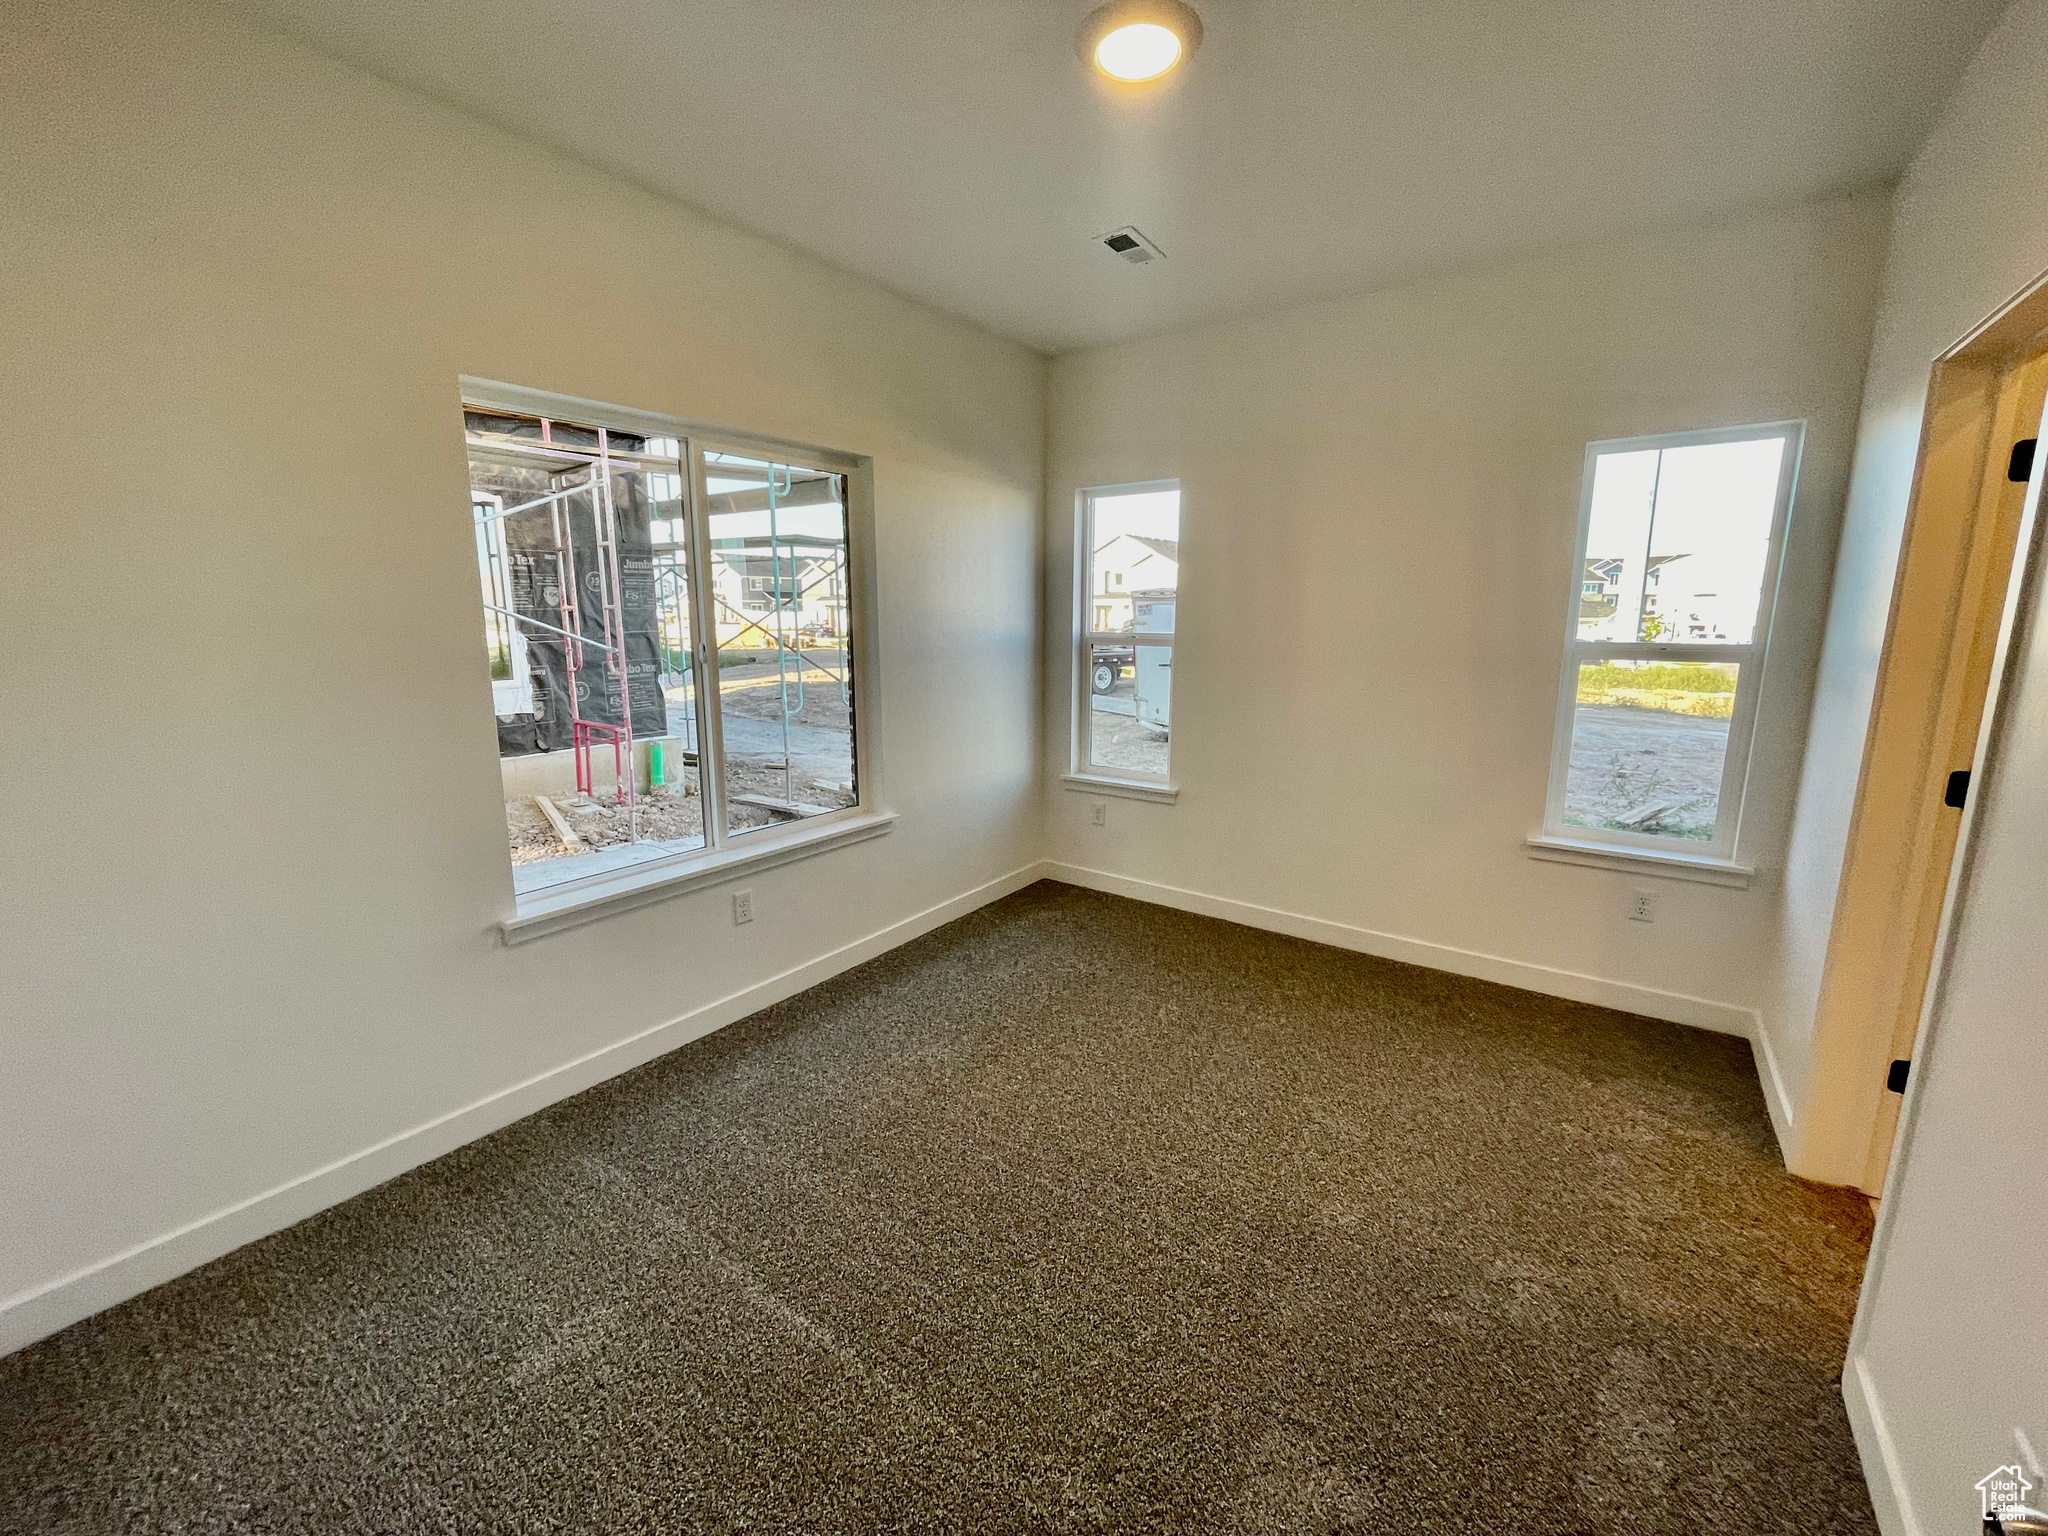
{"x": 1946, "y": 1381}
{"x": 1949, "y": 597}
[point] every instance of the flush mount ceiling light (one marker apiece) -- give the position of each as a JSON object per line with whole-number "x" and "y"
{"x": 1137, "y": 40}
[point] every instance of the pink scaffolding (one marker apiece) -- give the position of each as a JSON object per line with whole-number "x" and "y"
{"x": 605, "y": 582}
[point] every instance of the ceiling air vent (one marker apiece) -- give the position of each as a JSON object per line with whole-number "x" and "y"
{"x": 1132, "y": 246}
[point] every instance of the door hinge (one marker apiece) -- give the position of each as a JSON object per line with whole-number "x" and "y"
{"x": 1958, "y": 789}
{"x": 1895, "y": 1079}
{"x": 2020, "y": 466}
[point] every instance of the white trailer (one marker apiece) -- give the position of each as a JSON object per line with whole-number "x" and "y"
{"x": 1152, "y": 614}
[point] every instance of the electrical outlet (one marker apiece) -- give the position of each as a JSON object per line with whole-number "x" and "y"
{"x": 743, "y": 906}
{"x": 1642, "y": 906}
{"x": 1098, "y": 812}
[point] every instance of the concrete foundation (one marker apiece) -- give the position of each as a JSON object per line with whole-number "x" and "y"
{"x": 554, "y": 773}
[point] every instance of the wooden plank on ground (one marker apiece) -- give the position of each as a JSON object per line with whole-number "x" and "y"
{"x": 1648, "y": 815}
{"x": 559, "y": 822}
{"x": 780, "y": 807}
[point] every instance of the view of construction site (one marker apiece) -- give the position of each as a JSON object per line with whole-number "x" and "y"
{"x": 601, "y": 661}
{"x": 1677, "y": 549}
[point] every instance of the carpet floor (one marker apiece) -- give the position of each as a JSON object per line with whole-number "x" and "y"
{"x": 1075, "y": 1215}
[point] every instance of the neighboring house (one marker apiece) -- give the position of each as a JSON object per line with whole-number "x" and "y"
{"x": 1669, "y": 611}
{"x": 1128, "y": 563}
{"x": 1600, "y": 592}
{"x": 799, "y": 586}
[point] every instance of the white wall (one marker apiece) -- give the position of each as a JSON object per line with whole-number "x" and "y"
{"x": 255, "y": 844}
{"x": 1380, "y": 498}
{"x": 1969, "y": 229}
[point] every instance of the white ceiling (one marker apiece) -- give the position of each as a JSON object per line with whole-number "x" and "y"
{"x": 958, "y": 152}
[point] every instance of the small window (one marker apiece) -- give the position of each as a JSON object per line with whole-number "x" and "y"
{"x": 1129, "y": 554}
{"x": 1672, "y": 590}
{"x": 628, "y": 576}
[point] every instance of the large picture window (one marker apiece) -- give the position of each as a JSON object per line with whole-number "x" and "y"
{"x": 1130, "y": 575}
{"x": 669, "y": 623}
{"x": 1672, "y": 589}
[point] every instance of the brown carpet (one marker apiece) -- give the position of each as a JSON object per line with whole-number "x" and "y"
{"x": 1077, "y": 1215}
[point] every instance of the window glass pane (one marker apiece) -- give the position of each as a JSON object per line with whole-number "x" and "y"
{"x": 1133, "y": 563}
{"x": 586, "y": 623}
{"x": 1710, "y": 541}
{"x": 1130, "y": 690}
{"x": 1648, "y": 742}
{"x": 1617, "y": 541}
{"x": 1677, "y": 541}
{"x": 782, "y": 590}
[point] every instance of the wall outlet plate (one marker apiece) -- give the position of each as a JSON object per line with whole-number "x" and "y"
{"x": 1642, "y": 906}
{"x": 1098, "y": 812}
{"x": 743, "y": 906}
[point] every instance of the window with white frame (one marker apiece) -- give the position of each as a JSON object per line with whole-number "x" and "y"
{"x": 1129, "y": 563}
{"x": 632, "y": 572}
{"x": 1673, "y": 583}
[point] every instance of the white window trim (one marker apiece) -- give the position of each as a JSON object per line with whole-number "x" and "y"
{"x": 725, "y": 855}
{"x": 1081, "y": 773}
{"x": 1717, "y": 861}
{"x": 1659, "y": 862}
{"x": 1121, "y": 789}
{"x": 513, "y": 695}
{"x": 639, "y": 885}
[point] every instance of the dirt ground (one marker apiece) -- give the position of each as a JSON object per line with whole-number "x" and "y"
{"x": 823, "y": 707}
{"x": 665, "y": 816}
{"x": 821, "y": 769}
{"x": 1626, "y": 762}
{"x": 1117, "y": 741}
{"x": 673, "y": 814}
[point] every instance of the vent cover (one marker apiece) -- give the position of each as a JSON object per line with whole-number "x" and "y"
{"x": 1131, "y": 246}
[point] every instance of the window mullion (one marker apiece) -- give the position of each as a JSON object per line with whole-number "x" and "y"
{"x": 1629, "y": 650}
{"x": 704, "y": 623}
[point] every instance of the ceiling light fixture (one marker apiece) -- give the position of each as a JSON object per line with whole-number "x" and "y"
{"x": 1139, "y": 40}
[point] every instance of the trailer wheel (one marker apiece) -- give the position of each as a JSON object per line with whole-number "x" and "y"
{"x": 1105, "y": 677}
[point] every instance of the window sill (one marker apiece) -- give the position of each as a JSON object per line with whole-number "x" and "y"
{"x": 1642, "y": 861}
{"x": 1125, "y": 789}
{"x": 546, "y": 912}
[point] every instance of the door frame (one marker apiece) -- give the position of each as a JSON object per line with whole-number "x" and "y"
{"x": 1949, "y": 596}
{"x": 2016, "y": 604}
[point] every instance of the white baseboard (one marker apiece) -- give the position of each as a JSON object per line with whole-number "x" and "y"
{"x": 1777, "y": 1097}
{"x": 1676, "y": 1007}
{"x": 41, "y": 1312}
{"x": 1874, "y": 1444}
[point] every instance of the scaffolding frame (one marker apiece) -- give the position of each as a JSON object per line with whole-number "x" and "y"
{"x": 598, "y": 468}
